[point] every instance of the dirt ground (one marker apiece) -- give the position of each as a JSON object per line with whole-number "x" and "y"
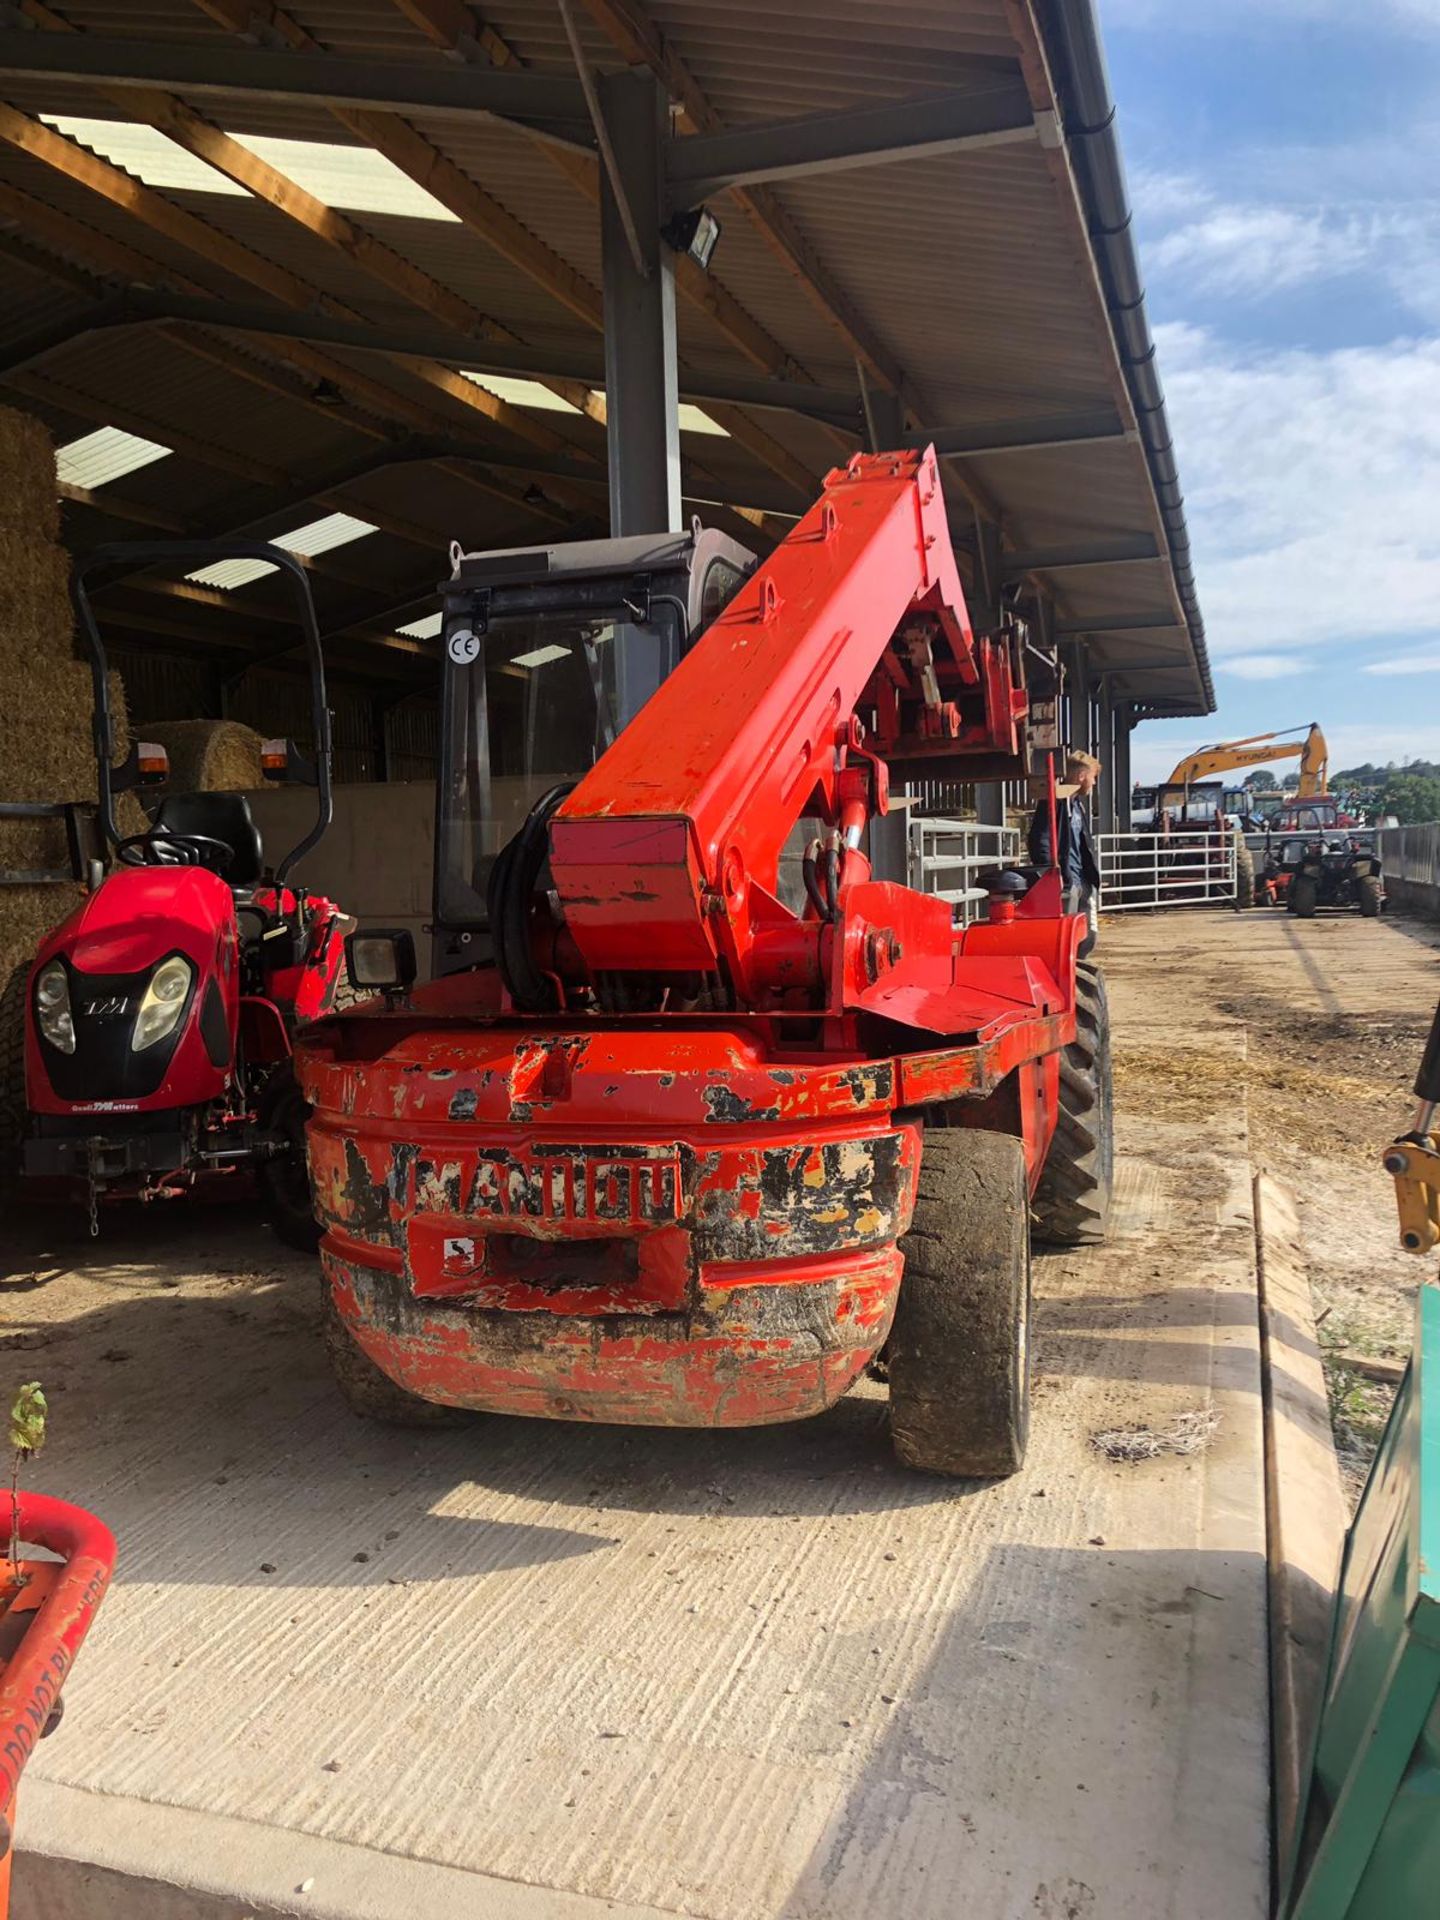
{"x": 1334, "y": 1013}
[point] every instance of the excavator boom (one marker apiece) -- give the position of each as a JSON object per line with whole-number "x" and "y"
{"x": 1256, "y": 750}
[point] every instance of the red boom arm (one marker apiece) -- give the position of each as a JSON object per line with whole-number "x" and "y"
{"x": 665, "y": 857}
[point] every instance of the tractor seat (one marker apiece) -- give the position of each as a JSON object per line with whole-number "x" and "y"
{"x": 222, "y": 816}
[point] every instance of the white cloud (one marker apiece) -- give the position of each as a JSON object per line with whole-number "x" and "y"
{"x": 1407, "y": 663}
{"x": 1246, "y": 250}
{"x": 1262, "y": 666}
{"x": 1310, "y": 487}
{"x": 1275, "y": 234}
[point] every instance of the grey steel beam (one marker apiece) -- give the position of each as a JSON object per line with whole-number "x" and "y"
{"x": 141, "y": 307}
{"x": 1124, "y": 784}
{"x": 642, "y": 430}
{"x": 1104, "y": 816}
{"x": 935, "y": 123}
{"x": 201, "y": 69}
{"x": 1099, "y": 553}
{"x": 1078, "y": 678}
{"x": 1024, "y": 436}
{"x": 1120, "y": 623}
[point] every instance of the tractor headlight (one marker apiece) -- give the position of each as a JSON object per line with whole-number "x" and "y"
{"x": 52, "y": 1007}
{"x": 162, "y": 1003}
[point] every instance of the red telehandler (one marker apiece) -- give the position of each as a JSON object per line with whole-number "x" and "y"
{"x": 660, "y": 1145}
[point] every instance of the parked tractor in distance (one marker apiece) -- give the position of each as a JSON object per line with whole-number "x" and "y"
{"x": 660, "y": 1145}
{"x": 159, "y": 1016}
{"x": 1315, "y": 858}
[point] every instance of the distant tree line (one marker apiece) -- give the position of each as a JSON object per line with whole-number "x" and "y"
{"x": 1409, "y": 790}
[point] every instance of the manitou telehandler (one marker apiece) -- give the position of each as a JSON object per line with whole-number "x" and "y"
{"x": 158, "y": 1017}
{"x": 661, "y": 1145}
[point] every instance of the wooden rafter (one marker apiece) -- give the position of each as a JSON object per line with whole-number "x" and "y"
{"x": 452, "y": 28}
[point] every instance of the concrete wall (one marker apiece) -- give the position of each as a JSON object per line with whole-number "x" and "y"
{"x": 377, "y": 859}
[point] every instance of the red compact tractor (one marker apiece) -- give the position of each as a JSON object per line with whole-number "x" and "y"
{"x": 159, "y": 1016}
{"x": 702, "y": 1119}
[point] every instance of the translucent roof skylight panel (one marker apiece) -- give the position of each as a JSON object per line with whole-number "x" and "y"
{"x": 104, "y": 455}
{"x": 145, "y": 152}
{"x": 319, "y": 536}
{"x": 425, "y": 629}
{"x": 229, "y": 574}
{"x": 692, "y": 419}
{"x": 353, "y": 178}
{"x": 521, "y": 393}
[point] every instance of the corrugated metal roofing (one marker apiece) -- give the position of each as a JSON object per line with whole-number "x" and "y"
{"x": 969, "y": 272}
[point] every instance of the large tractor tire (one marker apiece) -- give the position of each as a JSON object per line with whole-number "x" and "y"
{"x": 284, "y": 1181}
{"x": 1369, "y": 895}
{"x": 368, "y": 1391}
{"x": 1303, "y": 896}
{"x": 1244, "y": 875}
{"x": 1072, "y": 1201}
{"x": 958, "y": 1356}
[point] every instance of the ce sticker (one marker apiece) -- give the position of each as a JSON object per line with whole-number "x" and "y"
{"x": 463, "y": 646}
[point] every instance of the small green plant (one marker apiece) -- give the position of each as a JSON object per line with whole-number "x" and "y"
{"x": 27, "y": 1437}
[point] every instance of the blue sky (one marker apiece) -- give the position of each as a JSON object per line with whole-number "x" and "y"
{"x": 1284, "y": 164}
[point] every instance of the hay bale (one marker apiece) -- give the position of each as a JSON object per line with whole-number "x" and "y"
{"x": 29, "y": 501}
{"x": 208, "y": 756}
{"x": 37, "y": 623}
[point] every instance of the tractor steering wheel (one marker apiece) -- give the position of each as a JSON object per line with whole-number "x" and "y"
{"x": 162, "y": 848}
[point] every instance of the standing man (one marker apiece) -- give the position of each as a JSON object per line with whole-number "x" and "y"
{"x": 1075, "y": 855}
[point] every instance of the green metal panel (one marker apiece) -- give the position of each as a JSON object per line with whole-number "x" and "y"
{"x": 1370, "y": 1843}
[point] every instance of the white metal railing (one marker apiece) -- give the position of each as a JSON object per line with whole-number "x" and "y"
{"x": 1411, "y": 853}
{"x": 1178, "y": 870}
{"x": 943, "y": 857}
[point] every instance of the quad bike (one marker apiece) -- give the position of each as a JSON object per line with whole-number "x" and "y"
{"x": 661, "y": 1144}
{"x": 159, "y": 1017}
{"x": 46, "y": 1607}
{"x": 1338, "y": 871}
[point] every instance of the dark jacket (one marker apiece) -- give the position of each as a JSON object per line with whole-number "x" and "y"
{"x": 1040, "y": 841}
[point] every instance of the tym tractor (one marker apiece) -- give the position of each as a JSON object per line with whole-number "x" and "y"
{"x": 668, "y": 1141}
{"x": 159, "y": 1016}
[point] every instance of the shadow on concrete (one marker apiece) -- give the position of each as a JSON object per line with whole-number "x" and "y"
{"x": 1131, "y": 1779}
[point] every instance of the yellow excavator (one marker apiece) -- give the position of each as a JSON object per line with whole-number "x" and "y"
{"x": 1256, "y": 751}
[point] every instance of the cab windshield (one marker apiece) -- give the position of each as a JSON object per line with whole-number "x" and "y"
{"x": 542, "y": 697}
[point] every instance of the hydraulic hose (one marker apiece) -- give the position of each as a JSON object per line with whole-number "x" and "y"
{"x": 511, "y": 889}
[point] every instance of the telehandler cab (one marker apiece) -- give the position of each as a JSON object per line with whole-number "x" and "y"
{"x": 661, "y": 1145}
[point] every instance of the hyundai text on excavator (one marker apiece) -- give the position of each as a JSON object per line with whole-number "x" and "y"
{"x": 661, "y": 1145}
{"x": 158, "y": 1016}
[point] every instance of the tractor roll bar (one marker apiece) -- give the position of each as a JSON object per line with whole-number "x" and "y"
{"x": 132, "y": 556}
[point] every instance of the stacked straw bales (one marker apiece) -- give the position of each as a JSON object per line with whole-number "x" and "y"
{"x": 208, "y": 756}
{"x": 46, "y": 752}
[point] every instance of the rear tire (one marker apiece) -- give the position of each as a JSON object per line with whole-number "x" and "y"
{"x": 1072, "y": 1201}
{"x": 958, "y": 1356}
{"x": 1304, "y": 896}
{"x": 1369, "y": 894}
{"x": 284, "y": 1182}
{"x": 368, "y": 1391}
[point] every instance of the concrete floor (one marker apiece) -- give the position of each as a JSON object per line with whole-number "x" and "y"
{"x": 528, "y": 1671}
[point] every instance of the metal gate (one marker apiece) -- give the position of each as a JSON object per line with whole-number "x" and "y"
{"x": 1178, "y": 870}
{"x": 944, "y": 857}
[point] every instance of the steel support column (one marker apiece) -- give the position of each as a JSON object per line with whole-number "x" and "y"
{"x": 1078, "y": 677}
{"x": 983, "y": 603}
{"x": 641, "y": 380}
{"x": 1124, "y": 727}
{"x": 1105, "y": 747}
